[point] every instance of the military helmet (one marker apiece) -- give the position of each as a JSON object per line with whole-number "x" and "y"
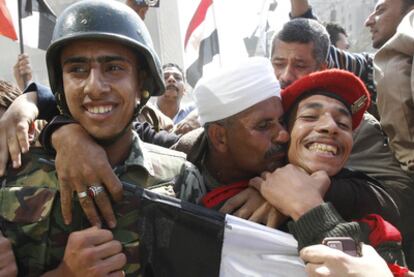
{"x": 103, "y": 19}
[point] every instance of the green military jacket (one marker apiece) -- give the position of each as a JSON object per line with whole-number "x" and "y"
{"x": 30, "y": 214}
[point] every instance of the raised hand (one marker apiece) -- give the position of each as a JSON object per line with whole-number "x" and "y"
{"x": 14, "y": 129}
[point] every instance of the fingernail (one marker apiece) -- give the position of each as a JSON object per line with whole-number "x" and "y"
{"x": 15, "y": 164}
{"x": 67, "y": 221}
{"x": 112, "y": 224}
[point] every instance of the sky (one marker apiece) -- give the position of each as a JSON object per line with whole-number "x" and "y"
{"x": 240, "y": 14}
{"x": 187, "y": 8}
{"x": 236, "y": 20}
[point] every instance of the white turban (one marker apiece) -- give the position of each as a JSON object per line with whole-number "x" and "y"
{"x": 234, "y": 89}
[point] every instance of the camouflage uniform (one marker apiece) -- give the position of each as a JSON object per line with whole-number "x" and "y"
{"x": 30, "y": 214}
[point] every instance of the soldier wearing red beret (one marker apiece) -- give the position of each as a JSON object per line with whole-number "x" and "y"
{"x": 323, "y": 108}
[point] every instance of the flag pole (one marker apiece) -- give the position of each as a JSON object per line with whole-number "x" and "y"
{"x": 19, "y": 10}
{"x": 215, "y": 23}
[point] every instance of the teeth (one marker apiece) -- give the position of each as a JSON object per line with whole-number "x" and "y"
{"x": 323, "y": 148}
{"x": 100, "y": 109}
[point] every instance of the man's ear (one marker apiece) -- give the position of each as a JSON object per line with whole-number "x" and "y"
{"x": 218, "y": 137}
{"x": 142, "y": 76}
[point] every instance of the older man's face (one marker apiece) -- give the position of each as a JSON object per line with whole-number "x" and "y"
{"x": 384, "y": 20}
{"x": 321, "y": 135}
{"x": 101, "y": 85}
{"x": 255, "y": 137}
{"x": 293, "y": 60}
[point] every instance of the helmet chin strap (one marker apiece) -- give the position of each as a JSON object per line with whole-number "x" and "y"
{"x": 109, "y": 141}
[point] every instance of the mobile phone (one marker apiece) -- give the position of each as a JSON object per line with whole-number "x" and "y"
{"x": 344, "y": 244}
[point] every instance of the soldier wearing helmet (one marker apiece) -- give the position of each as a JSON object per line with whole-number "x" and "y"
{"x": 102, "y": 69}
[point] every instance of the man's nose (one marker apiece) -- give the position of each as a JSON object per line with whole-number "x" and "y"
{"x": 281, "y": 136}
{"x": 287, "y": 77}
{"x": 95, "y": 83}
{"x": 170, "y": 79}
{"x": 327, "y": 124}
{"x": 370, "y": 20}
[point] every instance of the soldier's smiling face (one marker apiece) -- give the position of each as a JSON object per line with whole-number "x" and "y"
{"x": 101, "y": 85}
{"x": 320, "y": 134}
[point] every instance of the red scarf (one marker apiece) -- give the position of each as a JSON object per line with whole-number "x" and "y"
{"x": 222, "y": 193}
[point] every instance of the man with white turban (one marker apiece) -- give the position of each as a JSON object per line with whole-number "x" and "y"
{"x": 241, "y": 111}
{"x": 244, "y": 136}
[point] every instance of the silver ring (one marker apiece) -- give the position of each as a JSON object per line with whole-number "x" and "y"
{"x": 94, "y": 190}
{"x": 82, "y": 194}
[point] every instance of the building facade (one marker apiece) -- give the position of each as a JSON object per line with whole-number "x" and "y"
{"x": 351, "y": 15}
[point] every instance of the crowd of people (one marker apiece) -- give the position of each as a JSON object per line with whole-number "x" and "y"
{"x": 313, "y": 140}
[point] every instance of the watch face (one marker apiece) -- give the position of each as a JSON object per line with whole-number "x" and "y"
{"x": 153, "y": 3}
{"x": 149, "y": 3}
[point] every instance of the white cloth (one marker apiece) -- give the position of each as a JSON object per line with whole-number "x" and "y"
{"x": 250, "y": 249}
{"x": 234, "y": 89}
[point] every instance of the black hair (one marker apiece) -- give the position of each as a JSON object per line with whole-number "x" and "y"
{"x": 334, "y": 30}
{"x": 304, "y": 30}
{"x": 407, "y": 5}
{"x": 175, "y": 66}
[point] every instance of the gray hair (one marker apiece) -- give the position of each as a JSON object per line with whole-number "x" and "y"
{"x": 303, "y": 30}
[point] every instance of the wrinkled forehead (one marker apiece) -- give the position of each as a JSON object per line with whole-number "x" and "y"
{"x": 271, "y": 106}
{"x": 283, "y": 49}
{"x": 172, "y": 70}
{"x": 391, "y": 4}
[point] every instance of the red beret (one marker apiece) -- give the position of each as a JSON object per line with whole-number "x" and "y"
{"x": 341, "y": 84}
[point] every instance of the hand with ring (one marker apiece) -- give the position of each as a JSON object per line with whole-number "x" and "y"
{"x": 80, "y": 164}
{"x": 94, "y": 190}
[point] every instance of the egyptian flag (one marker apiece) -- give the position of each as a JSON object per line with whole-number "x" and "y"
{"x": 6, "y": 23}
{"x": 258, "y": 43}
{"x": 201, "y": 41}
{"x": 182, "y": 239}
{"x": 38, "y": 21}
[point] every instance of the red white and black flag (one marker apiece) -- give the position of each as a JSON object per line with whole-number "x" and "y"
{"x": 6, "y": 22}
{"x": 182, "y": 239}
{"x": 38, "y": 22}
{"x": 201, "y": 41}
